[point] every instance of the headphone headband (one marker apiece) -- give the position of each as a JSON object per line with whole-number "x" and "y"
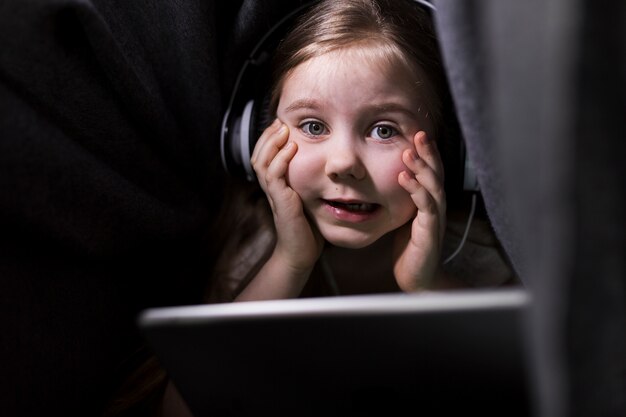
{"x": 239, "y": 127}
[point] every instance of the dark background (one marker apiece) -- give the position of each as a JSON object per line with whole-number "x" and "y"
{"x": 110, "y": 179}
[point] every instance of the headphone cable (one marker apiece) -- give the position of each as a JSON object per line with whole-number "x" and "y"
{"x": 470, "y": 218}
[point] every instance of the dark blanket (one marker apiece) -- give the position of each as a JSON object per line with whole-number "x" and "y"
{"x": 109, "y": 182}
{"x": 110, "y": 179}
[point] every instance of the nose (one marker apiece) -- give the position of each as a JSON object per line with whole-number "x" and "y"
{"x": 343, "y": 159}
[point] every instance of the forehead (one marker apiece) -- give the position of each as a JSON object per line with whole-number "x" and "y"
{"x": 370, "y": 70}
{"x": 382, "y": 56}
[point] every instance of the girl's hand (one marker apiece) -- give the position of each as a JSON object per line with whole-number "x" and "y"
{"x": 298, "y": 244}
{"x": 418, "y": 244}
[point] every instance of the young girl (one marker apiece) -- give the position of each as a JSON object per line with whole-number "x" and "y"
{"x": 351, "y": 197}
{"x": 350, "y": 166}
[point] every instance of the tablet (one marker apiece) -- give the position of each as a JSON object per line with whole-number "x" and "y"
{"x": 435, "y": 353}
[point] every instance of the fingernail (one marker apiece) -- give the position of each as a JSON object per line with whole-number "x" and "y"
{"x": 283, "y": 128}
{"x": 289, "y": 145}
{"x": 425, "y": 139}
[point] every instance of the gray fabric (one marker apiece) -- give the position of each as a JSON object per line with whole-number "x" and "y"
{"x": 539, "y": 88}
{"x": 463, "y": 47}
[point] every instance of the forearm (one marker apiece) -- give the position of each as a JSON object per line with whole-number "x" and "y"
{"x": 275, "y": 280}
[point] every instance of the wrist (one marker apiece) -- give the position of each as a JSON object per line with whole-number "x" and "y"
{"x": 277, "y": 279}
{"x": 290, "y": 259}
{"x": 293, "y": 266}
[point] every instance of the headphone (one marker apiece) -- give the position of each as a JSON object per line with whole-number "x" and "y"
{"x": 247, "y": 114}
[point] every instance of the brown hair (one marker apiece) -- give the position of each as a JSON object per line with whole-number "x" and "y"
{"x": 401, "y": 29}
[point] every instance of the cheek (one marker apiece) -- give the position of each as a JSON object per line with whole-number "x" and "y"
{"x": 384, "y": 170}
{"x": 386, "y": 181}
{"x": 403, "y": 208}
{"x": 304, "y": 168}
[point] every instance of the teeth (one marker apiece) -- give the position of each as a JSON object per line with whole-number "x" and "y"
{"x": 359, "y": 207}
{"x": 355, "y": 206}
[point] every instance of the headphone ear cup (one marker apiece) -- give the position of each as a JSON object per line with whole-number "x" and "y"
{"x": 235, "y": 142}
{"x": 243, "y": 144}
{"x": 240, "y": 133}
{"x": 254, "y": 119}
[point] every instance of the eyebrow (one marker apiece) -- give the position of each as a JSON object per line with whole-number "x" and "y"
{"x": 393, "y": 107}
{"x": 304, "y": 103}
{"x": 390, "y": 107}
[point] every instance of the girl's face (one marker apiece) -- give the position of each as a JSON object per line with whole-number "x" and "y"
{"x": 351, "y": 119}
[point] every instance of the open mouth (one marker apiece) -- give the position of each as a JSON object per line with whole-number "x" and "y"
{"x": 353, "y": 207}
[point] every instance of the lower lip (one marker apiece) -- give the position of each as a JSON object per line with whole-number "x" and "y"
{"x": 350, "y": 216}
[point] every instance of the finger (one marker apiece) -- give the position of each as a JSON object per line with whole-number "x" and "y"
{"x": 277, "y": 169}
{"x": 267, "y": 150}
{"x": 420, "y": 196}
{"x": 265, "y": 136}
{"x": 270, "y": 146}
{"x": 273, "y": 127}
{"x": 282, "y": 198}
{"x": 430, "y": 213}
{"x": 426, "y": 177}
{"x": 429, "y": 153}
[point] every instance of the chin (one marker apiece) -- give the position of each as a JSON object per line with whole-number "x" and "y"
{"x": 350, "y": 239}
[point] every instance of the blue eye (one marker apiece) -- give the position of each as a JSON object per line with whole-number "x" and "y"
{"x": 383, "y": 132}
{"x": 313, "y": 128}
